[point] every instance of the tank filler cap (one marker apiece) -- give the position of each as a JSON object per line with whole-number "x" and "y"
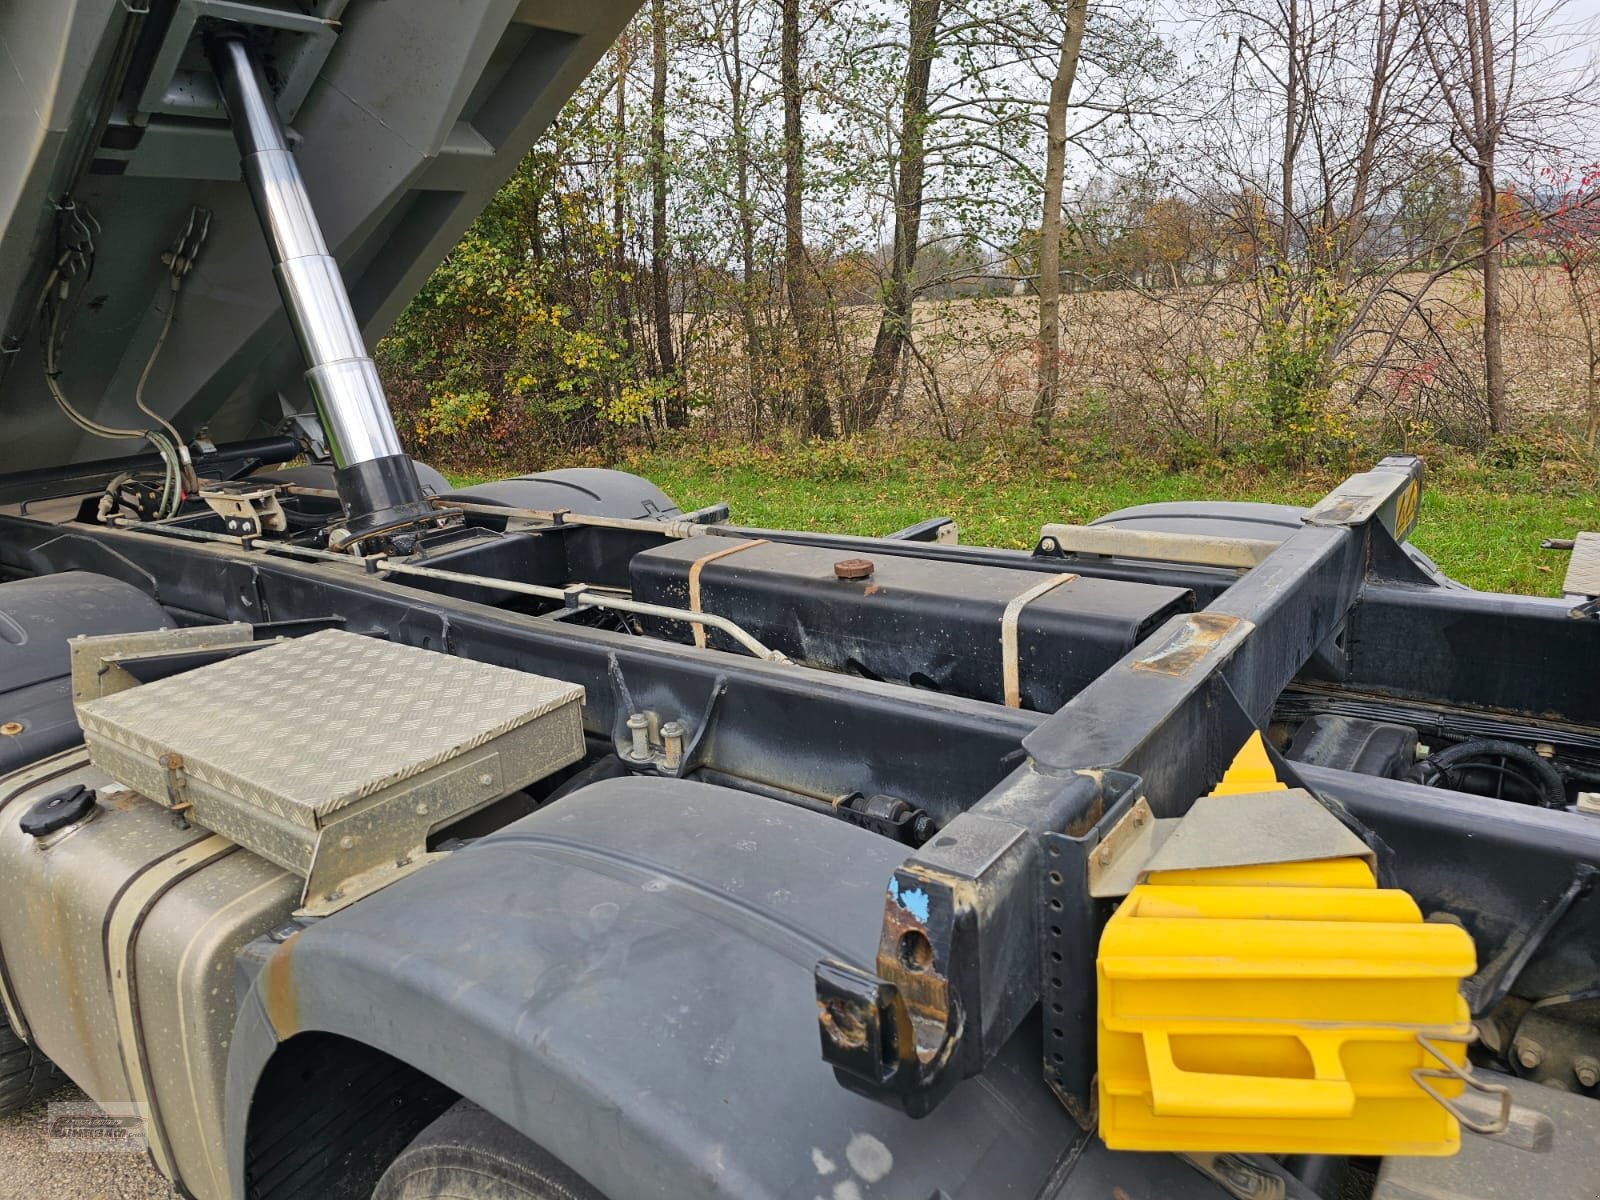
{"x": 58, "y": 810}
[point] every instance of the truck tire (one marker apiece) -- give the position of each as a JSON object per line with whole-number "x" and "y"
{"x": 467, "y": 1154}
{"x": 25, "y": 1074}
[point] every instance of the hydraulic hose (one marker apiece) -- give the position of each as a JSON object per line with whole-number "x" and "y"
{"x": 1451, "y": 767}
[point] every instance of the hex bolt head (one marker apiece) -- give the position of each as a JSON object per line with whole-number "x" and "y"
{"x": 1529, "y": 1052}
{"x": 639, "y": 735}
{"x": 672, "y": 744}
{"x": 853, "y": 569}
{"x": 1587, "y": 1068}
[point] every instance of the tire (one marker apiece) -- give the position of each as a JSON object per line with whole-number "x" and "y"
{"x": 25, "y": 1074}
{"x": 467, "y": 1154}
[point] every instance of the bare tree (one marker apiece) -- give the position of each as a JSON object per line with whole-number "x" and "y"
{"x": 815, "y": 416}
{"x": 894, "y": 324}
{"x": 619, "y": 185}
{"x": 1504, "y": 89}
{"x": 1049, "y": 368}
{"x": 676, "y": 412}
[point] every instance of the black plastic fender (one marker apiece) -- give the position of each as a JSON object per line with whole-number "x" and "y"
{"x": 37, "y": 617}
{"x": 593, "y": 491}
{"x": 625, "y": 977}
{"x": 321, "y": 475}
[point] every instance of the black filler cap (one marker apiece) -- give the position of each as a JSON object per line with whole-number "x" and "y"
{"x": 58, "y": 810}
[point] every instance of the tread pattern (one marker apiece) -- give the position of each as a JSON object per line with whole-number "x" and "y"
{"x": 468, "y": 1154}
{"x": 25, "y": 1074}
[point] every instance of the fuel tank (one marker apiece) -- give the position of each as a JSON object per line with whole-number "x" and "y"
{"x": 118, "y": 932}
{"x": 1001, "y": 634}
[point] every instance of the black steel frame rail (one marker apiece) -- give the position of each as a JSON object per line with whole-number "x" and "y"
{"x": 991, "y": 916}
{"x": 809, "y": 731}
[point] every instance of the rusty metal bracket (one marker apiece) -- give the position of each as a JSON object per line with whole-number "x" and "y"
{"x": 246, "y": 509}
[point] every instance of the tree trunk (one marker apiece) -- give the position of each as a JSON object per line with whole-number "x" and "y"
{"x": 1291, "y": 126}
{"x": 1481, "y": 47}
{"x": 754, "y": 354}
{"x": 1055, "y": 170}
{"x": 677, "y": 413}
{"x": 815, "y": 419}
{"x": 894, "y": 325}
{"x": 1373, "y": 130}
{"x": 619, "y": 196}
{"x": 1494, "y": 371}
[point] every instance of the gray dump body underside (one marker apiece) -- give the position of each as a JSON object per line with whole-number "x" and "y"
{"x": 407, "y": 114}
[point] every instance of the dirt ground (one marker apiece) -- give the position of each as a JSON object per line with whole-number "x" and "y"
{"x": 32, "y": 1168}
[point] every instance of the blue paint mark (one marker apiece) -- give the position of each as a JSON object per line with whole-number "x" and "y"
{"x": 913, "y": 900}
{"x": 916, "y": 903}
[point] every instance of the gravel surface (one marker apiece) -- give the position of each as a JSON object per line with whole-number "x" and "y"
{"x": 31, "y": 1170}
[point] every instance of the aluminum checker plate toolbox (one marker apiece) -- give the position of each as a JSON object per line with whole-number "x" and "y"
{"x": 334, "y": 755}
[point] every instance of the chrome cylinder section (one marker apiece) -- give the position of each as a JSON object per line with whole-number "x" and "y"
{"x": 342, "y": 377}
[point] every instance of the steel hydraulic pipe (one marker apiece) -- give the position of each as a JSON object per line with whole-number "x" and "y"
{"x": 377, "y": 484}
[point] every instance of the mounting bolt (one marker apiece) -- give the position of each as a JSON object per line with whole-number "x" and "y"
{"x": 1105, "y": 856}
{"x": 1587, "y": 1068}
{"x": 853, "y": 569}
{"x": 639, "y": 731}
{"x": 1529, "y": 1052}
{"x": 11, "y": 729}
{"x": 672, "y": 745}
{"x": 1048, "y": 545}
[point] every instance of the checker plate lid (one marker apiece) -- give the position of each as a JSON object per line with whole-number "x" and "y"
{"x": 313, "y": 725}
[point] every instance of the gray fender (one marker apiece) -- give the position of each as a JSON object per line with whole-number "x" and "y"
{"x": 320, "y": 475}
{"x": 625, "y": 977}
{"x": 593, "y": 491}
{"x": 1238, "y": 519}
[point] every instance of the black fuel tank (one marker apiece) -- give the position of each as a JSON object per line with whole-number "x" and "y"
{"x": 934, "y": 625}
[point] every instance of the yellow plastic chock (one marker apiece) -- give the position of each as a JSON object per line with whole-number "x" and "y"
{"x": 1251, "y": 771}
{"x": 1278, "y": 1008}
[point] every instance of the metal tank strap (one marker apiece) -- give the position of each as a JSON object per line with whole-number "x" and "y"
{"x": 1011, "y": 675}
{"x": 694, "y": 581}
{"x": 121, "y": 934}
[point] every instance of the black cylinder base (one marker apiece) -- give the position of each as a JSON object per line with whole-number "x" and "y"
{"x": 379, "y": 495}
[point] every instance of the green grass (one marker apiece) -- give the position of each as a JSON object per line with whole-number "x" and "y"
{"x": 1481, "y": 524}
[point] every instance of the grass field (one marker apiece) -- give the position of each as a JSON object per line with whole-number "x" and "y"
{"x": 1481, "y": 523}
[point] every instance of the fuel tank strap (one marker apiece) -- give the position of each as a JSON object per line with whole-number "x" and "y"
{"x": 694, "y": 581}
{"x": 1011, "y": 674}
{"x": 122, "y": 927}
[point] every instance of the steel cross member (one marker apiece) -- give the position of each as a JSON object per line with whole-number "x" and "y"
{"x": 993, "y": 916}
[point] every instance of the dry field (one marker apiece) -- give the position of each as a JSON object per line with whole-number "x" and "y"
{"x": 1157, "y": 360}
